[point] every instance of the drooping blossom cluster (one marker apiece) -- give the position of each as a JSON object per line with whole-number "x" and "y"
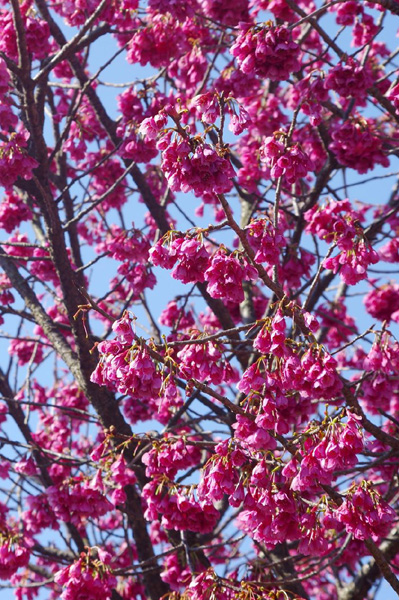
{"x": 291, "y": 162}
{"x": 357, "y": 145}
{"x": 128, "y": 369}
{"x": 268, "y": 51}
{"x": 352, "y": 264}
{"x": 349, "y": 79}
{"x": 191, "y": 261}
{"x": 27, "y": 351}
{"x": 226, "y": 274}
{"x": 13, "y": 212}
{"x": 204, "y": 362}
{"x": 88, "y": 576}
{"x": 309, "y": 93}
{"x": 365, "y": 514}
{"x": 379, "y": 390}
{"x": 221, "y": 476}
{"x": 15, "y": 160}
{"x": 266, "y": 241}
{"x": 77, "y": 501}
{"x": 382, "y": 302}
{"x": 13, "y": 554}
{"x": 187, "y": 257}
{"x": 194, "y": 165}
{"x": 340, "y": 224}
{"x": 335, "y": 450}
{"x": 177, "y": 505}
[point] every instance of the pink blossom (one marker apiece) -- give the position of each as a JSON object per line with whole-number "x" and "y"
{"x": 26, "y": 351}
{"x": 228, "y": 12}
{"x": 292, "y": 162}
{"x": 173, "y": 316}
{"x": 14, "y": 160}
{"x": 226, "y": 274}
{"x": 266, "y": 241}
{"x": 352, "y": 264}
{"x": 157, "y": 43}
{"x": 152, "y": 126}
{"x": 355, "y": 145}
{"x": 85, "y": 578}
{"x": 239, "y": 122}
{"x": 76, "y": 502}
{"x": 203, "y": 362}
{"x": 349, "y": 79}
{"x": 179, "y": 509}
{"x": 13, "y": 211}
{"x": 268, "y": 51}
{"x": 365, "y": 514}
{"x": 193, "y": 260}
{"x": 383, "y": 302}
{"x": 13, "y": 555}
{"x": 347, "y": 12}
{"x": 200, "y": 168}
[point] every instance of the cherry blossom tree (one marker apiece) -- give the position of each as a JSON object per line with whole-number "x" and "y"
{"x": 200, "y": 399}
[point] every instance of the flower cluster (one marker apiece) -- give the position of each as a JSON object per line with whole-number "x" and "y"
{"x": 26, "y": 351}
{"x": 268, "y": 51}
{"x": 382, "y": 302}
{"x": 221, "y": 475}
{"x": 309, "y": 93}
{"x": 271, "y": 339}
{"x": 336, "y": 450}
{"x": 88, "y": 577}
{"x": 356, "y": 145}
{"x": 352, "y": 264}
{"x": 204, "y": 362}
{"x": 291, "y": 161}
{"x": 13, "y": 554}
{"x": 228, "y": 13}
{"x": 126, "y": 366}
{"x": 226, "y": 274}
{"x": 379, "y": 390}
{"x": 349, "y": 79}
{"x": 188, "y": 255}
{"x": 77, "y": 501}
{"x": 131, "y": 370}
{"x": 13, "y": 211}
{"x": 365, "y": 514}
{"x": 39, "y": 515}
{"x": 266, "y": 241}
{"x": 14, "y": 160}
{"x": 334, "y": 222}
{"x": 195, "y": 165}
{"x": 339, "y": 223}
{"x": 178, "y": 507}
{"x": 171, "y": 455}
{"x": 269, "y": 514}
{"x": 157, "y": 44}
{"x": 347, "y": 13}
{"x": 175, "y": 317}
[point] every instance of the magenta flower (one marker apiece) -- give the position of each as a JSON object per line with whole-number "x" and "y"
{"x": 268, "y": 51}
{"x": 365, "y": 514}
{"x": 86, "y": 579}
{"x": 13, "y": 555}
{"x": 226, "y": 274}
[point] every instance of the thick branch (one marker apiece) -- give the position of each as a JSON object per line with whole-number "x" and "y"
{"x": 371, "y": 572}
